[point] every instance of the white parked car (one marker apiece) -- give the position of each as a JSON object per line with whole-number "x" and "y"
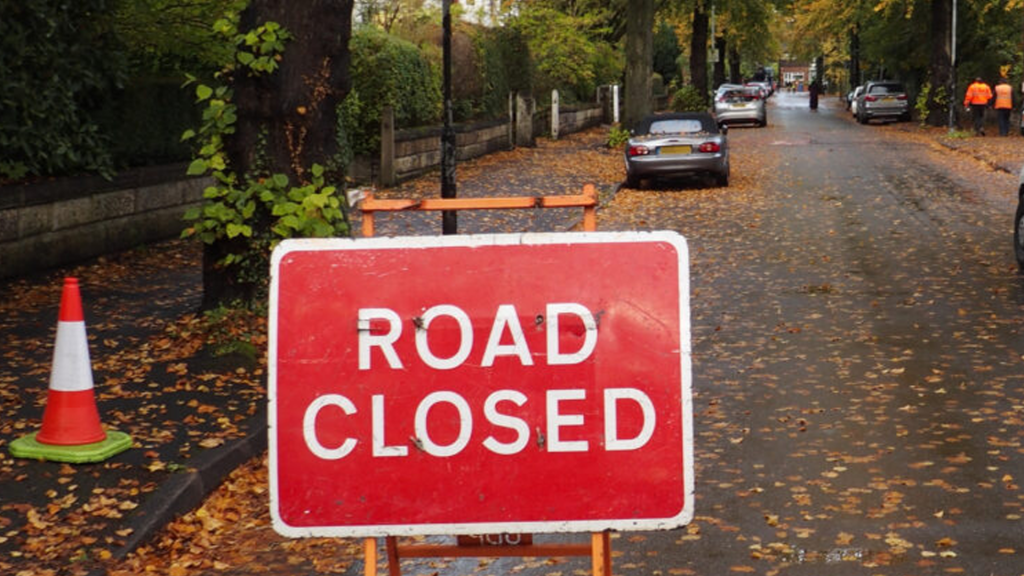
{"x": 853, "y": 99}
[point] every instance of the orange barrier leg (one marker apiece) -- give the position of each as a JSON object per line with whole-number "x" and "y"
{"x": 394, "y": 561}
{"x": 370, "y": 556}
{"x": 601, "y": 554}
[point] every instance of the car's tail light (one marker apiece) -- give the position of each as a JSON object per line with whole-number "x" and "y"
{"x": 638, "y": 151}
{"x": 901, "y": 97}
{"x": 870, "y": 98}
{"x": 709, "y": 147}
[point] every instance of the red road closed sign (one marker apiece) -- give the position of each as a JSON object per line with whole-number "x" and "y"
{"x": 480, "y": 384}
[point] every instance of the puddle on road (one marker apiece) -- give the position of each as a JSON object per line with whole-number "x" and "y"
{"x": 842, "y": 554}
{"x": 792, "y": 142}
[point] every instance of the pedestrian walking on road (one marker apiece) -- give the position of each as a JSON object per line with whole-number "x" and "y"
{"x": 1003, "y": 105}
{"x": 976, "y": 100}
{"x": 814, "y": 95}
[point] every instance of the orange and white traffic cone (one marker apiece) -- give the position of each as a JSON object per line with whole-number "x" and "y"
{"x": 71, "y": 430}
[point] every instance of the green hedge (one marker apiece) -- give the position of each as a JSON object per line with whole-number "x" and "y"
{"x": 59, "y": 63}
{"x": 505, "y": 66}
{"x": 145, "y": 120}
{"x": 386, "y": 71}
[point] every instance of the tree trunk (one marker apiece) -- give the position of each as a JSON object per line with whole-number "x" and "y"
{"x": 286, "y": 120}
{"x": 735, "y": 75}
{"x": 719, "y": 68}
{"x": 940, "y": 65}
{"x": 639, "y": 61}
{"x": 699, "y": 51}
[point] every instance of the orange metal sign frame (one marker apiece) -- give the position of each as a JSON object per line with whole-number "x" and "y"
{"x": 599, "y": 548}
{"x": 587, "y": 200}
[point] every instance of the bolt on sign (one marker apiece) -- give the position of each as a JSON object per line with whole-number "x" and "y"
{"x": 480, "y": 384}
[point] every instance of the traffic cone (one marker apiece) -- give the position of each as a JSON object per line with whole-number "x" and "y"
{"x": 71, "y": 430}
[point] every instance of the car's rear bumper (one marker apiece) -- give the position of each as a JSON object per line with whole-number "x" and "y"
{"x": 885, "y": 111}
{"x": 652, "y": 166}
{"x": 740, "y": 116}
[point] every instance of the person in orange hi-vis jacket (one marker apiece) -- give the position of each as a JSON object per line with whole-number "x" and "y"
{"x": 976, "y": 99}
{"x": 1003, "y": 105}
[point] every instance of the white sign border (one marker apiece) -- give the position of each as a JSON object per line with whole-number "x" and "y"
{"x": 479, "y": 240}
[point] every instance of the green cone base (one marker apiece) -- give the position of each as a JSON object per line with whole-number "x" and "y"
{"x": 28, "y": 447}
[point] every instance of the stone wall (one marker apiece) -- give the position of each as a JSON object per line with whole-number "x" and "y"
{"x": 418, "y": 150}
{"x": 55, "y": 222}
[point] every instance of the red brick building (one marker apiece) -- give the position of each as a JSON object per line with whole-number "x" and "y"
{"x": 795, "y": 74}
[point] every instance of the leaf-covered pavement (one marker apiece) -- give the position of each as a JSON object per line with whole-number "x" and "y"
{"x": 155, "y": 378}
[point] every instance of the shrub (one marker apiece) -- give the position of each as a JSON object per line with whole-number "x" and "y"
{"x": 688, "y": 99}
{"x": 922, "y": 104}
{"x": 505, "y": 66}
{"x": 145, "y": 120}
{"x": 617, "y": 136}
{"x": 388, "y": 71}
{"x": 58, "y": 63}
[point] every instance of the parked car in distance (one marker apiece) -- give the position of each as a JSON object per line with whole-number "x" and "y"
{"x": 677, "y": 144}
{"x": 723, "y": 88}
{"x": 883, "y": 99}
{"x": 744, "y": 105}
{"x": 765, "y": 87}
{"x": 854, "y": 95}
{"x": 1018, "y": 223}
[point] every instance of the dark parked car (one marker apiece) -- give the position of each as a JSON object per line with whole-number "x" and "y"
{"x": 677, "y": 144}
{"x": 883, "y": 99}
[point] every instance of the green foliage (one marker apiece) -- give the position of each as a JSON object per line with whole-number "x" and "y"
{"x": 564, "y": 47}
{"x": 252, "y": 212}
{"x": 609, "y": 63}
{"x": 688, "y": 99}
{"x": 505, "y": 66}
{"x": 666, "y": 52}
{"x": 349, "y": 114}
{"x": 923, "y": 106}
{"x": 171, "y": 36}
{"x": 59, "y": 62}
{"x": 388, "y": 71}
{"x": 617, "y": 136}
{"x": 145, "y": 119}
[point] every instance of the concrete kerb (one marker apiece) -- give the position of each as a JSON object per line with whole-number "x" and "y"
{"x": 184, "y": 492}
{"x": 993, "y": 165}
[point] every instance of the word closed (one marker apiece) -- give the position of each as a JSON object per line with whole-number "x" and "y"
{"x": 480, "y": 384}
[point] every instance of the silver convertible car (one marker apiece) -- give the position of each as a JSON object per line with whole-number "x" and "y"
{"x": 677, "y": 144}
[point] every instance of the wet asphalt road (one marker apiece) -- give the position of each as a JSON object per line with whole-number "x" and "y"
{"x": 858, "y": 327}
{"x": 858, "y": 362}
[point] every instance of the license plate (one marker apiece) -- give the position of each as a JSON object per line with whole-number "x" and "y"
{"x": 676, "y": 149}
{"x": 888, "y": 99}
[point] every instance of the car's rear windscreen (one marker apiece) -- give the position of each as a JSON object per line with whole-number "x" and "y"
{"x": 683, "y": 126}
{"x": 886, "y": 89}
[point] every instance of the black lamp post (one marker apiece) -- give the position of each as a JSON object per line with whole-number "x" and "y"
{"x": 952, "y": 71}
{"x": 449, "y": 218}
